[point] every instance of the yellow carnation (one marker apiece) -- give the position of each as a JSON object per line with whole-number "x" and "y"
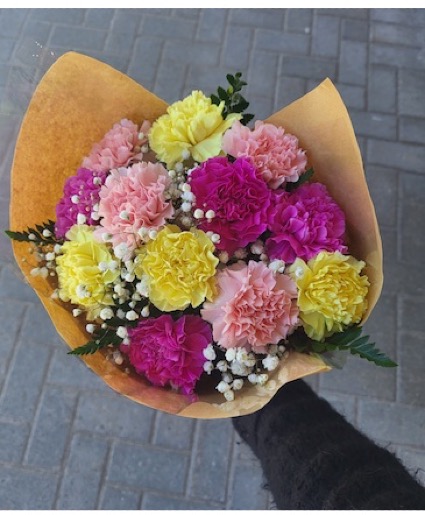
{"x": 193, "y": 124}
{"x": 180, "y": 268}
{"x": 81, "y": 281}
{"x": 331, "y": 293}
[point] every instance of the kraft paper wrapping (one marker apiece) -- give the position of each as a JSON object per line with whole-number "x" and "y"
{"x": 75, "y": 104}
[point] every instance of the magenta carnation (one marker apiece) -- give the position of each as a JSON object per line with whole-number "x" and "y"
{"x": 239, "y": 199}
{"x": 169, "y": 352}
{"x": 304, "y": 223}
{"x": 255, "y": 307}
{"x": 276, "y": 155}
{"x": 80, "y": 194}
{"x": 119, "y": 146}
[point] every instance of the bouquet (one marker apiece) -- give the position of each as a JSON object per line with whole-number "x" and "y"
{"x": 194, "y": 262}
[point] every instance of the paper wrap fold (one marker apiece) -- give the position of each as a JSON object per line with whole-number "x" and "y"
{"x": 76, "y": 103}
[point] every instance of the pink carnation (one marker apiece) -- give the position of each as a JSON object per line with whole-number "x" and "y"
{"x": 276, "y": 155}
{"x": 118, "y": 147}
{"x": 80, "y": 194}
{"x": 255, "y": 307}
{"x": 132, "y": 198}
{"x": 304, "y": 223}
{"x": 169, "y": 352}
{"x": 238, "y": 197}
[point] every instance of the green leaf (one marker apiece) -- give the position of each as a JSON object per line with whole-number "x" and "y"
{"x": 305, "y": 177}
{"x": 233, "y": 101}
{"x": 222, "y": 93}
{"x": 341, "y": 339}
{"x": 18, "y": 236}
{"x": 246, "y": 118}
{"x": 370, "y": 352}
{"x": 103, "y": 338}
{"x": 215, "y": 100}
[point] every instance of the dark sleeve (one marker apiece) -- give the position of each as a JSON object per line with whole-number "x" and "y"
{"x": 313, "y": 458}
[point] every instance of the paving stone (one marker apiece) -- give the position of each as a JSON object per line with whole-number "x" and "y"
{"x": 69, "y": 16}
{"x": 247, "y": 491}
{"x": 148, "y": 468}
{"x": 411, "y": 386}
{"x": 412, "y": 84}
{"x": 345, "y": 404}
{"x": 26, "y": 489}
{"x": 13, "y": 439}
{"x": 325, "y": 36}
{"x": 269, "y": 18}
{"x": 197, "y": 53}
{"x": 117, "y": 498}
{"x": 411, "y": 310}
{"x": 13, "y": 287}
{"x": 356, "y": 30}
{"x": 97, "y": 413}
{"x": 308, "y": 67}
{"x": 412, "y": 130}
{"x": 412, "y": 210}
{"x": 11, "y": 21}
{"x": 360, "y": 377}
{"x": 299, "y": 20}
{"x": 383, "y": 187}
{"x": 175, "y": 28}
{"x": 80, "y": 38}
{"x": 83, "y": 473}
{"x": 414, "y": 461}
{"x": 50, "y": 433}
{"x": 211, "y": 26}
{"x": 144, "y": 70}
{"x": 128, "y": 21}
{"x": 410, "y": 17}
{"x": 207, "y": 79}
{"x": 353, "y": 96}
{"x": 348, "y": 13}
{"x": 262, "y": 107}
{"x": 170, "y": 80}
{"x": 6, "y": 48}
{"x": 382, "y": 87}
{"x": 263, "y": 64}
{"x": 352, "y": 62}
{"x": 46, "y": 334}
{"x": 390, "y": 422}
{"x": 210, "y": 465}
{"x": 153, "y": 501}
{"x": 71, "y": 371}
{"x": 99, "y": 18}
{"x": 21, "y": 391}
{"x": 377, "y": 125}
{"x": 237, "y": 46}
{"x": 278, "y": 41}
{"x": 288, "y": 90}
{"x": 12, "y": 314}
{"x": 396, "y": 34}
{"x": 186, "y": 13}
{"x": 407, "y": 57}
{"x": 394, "y": 154}
{"x": 173, "y": 432}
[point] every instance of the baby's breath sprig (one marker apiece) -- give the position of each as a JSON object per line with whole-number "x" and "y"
{"x": 234, "y": 102}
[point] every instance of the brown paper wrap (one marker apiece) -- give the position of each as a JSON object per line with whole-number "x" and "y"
{"x": 75, "y": 104}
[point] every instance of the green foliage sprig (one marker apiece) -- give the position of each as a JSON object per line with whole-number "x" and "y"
{"x": 234, "y": 102}
{"x": 349, "y": 340}
{"x": 101, "y": 339}
{"x": 35, "y": 235}
{"x": 305, "y": 177}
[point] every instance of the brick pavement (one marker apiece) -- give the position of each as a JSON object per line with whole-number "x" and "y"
{"x": 68, "y": 442}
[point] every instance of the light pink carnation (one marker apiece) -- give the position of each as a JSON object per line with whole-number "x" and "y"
{"x": 276, "y": 155}
{"x": 119, "y": 146}
{"x": 255, "y": 307}
{"x": 132, "y": 198}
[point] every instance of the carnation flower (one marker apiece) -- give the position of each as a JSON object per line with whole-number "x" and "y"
{"x": 80, "y": 194}
{"x": 276, "y": 155}
{"x": 239, "y": 198}
{"x": 305, "y": 222}
{"x": 119, "y": 146}
{"x": 179, "y": 267}
{"x": 169, "y": 352}
{"x": 193, "y": 125}
{"x": 132, "y": 198}
{"x": 81, "y": 280}
{"x": 331, "y": 293}
{"x": 254, "y": 307}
